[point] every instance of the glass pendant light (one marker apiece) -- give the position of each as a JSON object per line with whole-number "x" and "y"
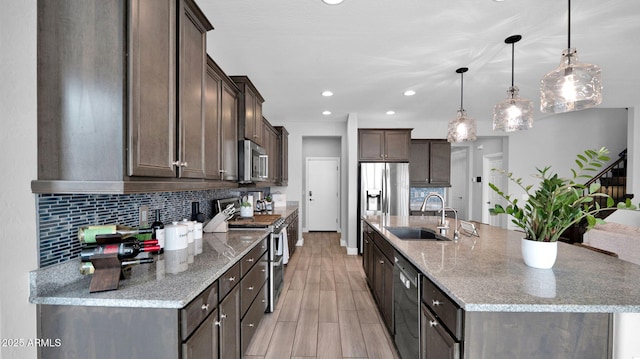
{"x": 462, "y": 128}
{"x": 573, "y": 85}
{"x": 514, "y": 113}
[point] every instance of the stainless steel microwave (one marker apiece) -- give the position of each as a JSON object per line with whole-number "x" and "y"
{"x": 253, "y": 163}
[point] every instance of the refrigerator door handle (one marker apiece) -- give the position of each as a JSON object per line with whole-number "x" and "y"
{"x": 385, "y": 190}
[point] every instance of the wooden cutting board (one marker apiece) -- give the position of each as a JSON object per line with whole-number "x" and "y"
{"x": 258, "y": 220}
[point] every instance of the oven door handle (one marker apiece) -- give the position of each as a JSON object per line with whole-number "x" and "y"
{"x": 278, "y": 261}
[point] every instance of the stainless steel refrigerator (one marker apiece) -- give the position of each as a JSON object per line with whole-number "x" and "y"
{"x": 384, "y": 190}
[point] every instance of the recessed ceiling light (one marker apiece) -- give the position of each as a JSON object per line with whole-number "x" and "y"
{"x": 332, "y": 2}
{"x": 391, "y": 112}
{"x": 326, "y": 113}
{"x": 409, "y": 93}
{"x": 327, "y": 93}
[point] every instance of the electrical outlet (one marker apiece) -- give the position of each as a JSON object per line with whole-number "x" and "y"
{"x": 143, "y": 212}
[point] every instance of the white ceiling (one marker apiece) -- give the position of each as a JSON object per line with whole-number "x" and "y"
{"x": 368, "y": 52}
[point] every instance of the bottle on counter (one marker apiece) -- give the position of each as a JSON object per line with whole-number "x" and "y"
{"x": 157, "y": 228}
{"x": 127, "y": 249}
{"x": 87, "y": 268}
{"x": 196, "y": 215}
{"x": 110, "y": 233}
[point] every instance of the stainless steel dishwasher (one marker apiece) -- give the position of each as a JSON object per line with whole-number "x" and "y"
{"x": 406, "y": 307}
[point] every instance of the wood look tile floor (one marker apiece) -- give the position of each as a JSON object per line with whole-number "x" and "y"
{"x": 325, "y": 310}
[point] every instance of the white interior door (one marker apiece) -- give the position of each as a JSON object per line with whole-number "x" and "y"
{"x": 323, "y": 193}
{"x": 489, "y": 196}
{"x": 459, "y": 191}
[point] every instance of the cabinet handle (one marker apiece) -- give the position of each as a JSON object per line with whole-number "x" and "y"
{"x": 433, "y": 323}
{"x": 250, "y": 288}
{"x": 205, "y": 307}
{"x": 263, "y": 270}
{"x": 184, "y": 164}
{"x": 381, "y": 262}
{"x": 223, "y": 316}
{"x": 251, "y": 325}
{"x": 436, "y": 302}
{"x": 250, "y": 260}
{"x": 217, "y": 323}
{"x": 231, "y": 279}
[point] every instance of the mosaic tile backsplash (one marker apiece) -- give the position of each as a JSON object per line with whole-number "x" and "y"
{"x": 59, "y": 216}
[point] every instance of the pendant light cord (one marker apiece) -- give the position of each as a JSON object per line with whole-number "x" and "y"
{"x": 513, "y": 46}
{"x": 461, "y": 89}
{"x": 569, "y": 26}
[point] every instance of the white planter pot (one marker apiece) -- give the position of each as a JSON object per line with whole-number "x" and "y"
{"x": 246, "y": 212}
{"x": 539, "y": 254}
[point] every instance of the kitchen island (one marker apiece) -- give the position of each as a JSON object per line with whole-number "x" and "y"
{"x": 510, "y": 310}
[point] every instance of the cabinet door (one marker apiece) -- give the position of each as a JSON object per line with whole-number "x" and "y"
{"x": 397, "y": 145}
{"x": 419, "y": 162}
{"x": 387, "y": 303}
{"x": 213, "y": 86}
{"x": 258, "y": 128}
{"x": 371, "y": 145}
{"x": 229, "y": 133}
{"x": 378, "y": 275}
{"x": 435, "y": 342}
{"x": 249, "y": 115}
{"x": 204, "y": 342}
{"x": 152, "y": 76}
{"x": 192, "y": 61}
{"x": 230, "y": 325}
{"x": 440, "y": 163}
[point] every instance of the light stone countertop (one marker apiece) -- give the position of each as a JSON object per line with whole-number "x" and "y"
{"x": 487, "y": 273}
{"x": 146, "y": 287}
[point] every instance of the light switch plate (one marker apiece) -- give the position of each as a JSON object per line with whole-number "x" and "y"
{"x": 143, "y": 216}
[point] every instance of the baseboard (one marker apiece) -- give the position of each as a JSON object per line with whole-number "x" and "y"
{"x": 352, "y": 251}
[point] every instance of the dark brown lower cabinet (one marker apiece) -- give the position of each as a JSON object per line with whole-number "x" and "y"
{"x": 435, "y": 341}
{"x": 204, "y": 342}
{"x": 379, "y": 274}
{"x": 230, "y": 325}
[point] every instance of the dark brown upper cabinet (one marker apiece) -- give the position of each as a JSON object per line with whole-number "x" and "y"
{"x": 430, "y": 163}
{"x": 249, "y": 110}
{"x": 110, "y": 116}
{"x": 282, "y": 169}
{"x": 384, "y": 145}
{"x": 195, "y": 131}
{"x": 221, "y": 146}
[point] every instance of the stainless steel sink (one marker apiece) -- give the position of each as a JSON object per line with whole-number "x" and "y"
{"x": 416, "y": 234}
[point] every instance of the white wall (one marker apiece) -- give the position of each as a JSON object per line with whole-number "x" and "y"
{"x": 18, "y": 249}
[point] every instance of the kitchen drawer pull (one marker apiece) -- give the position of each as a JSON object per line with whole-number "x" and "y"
{"x": 436, "y": 302}
{"x": 433, "y": 323}
{"x": 223, "y": 316}
{"x": 231, "y": 279}
{"x": 217, "y": 323}
{"x": 381, "y": 262}
{"x": 205, "y": 307}
{"x": 263, "y": 270}
{"x": 250, "y": 260}
{"x": 250, "y": 288}
{"x": 251, "y": 325}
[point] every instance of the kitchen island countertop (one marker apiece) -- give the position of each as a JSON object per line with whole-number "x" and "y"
{"x": 487, "y": 273}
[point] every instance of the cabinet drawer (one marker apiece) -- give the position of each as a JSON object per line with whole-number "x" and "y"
{"x": 253, "y": 317}
{"x": 251, "y": 258}
{"x": 229, "y": 280}
{"x": 252, "y": 282}
{"x": 195, "y": 312}
{"x": 443, "y": 307}
{"x": 383, "y": 244}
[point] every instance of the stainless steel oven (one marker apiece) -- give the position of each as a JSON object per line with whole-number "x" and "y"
{"x": 276, "y": 264}
{"x": 253, "y": 163}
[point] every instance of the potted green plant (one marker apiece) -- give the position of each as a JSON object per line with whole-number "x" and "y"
{"x": 246, "y": 209}
{"x": 555, "y": 205}
{"x": 268, "y": 202}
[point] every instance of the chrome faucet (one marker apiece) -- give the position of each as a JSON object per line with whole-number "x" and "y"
{"x": 443, "y": 223}
{"x": 456, "y": 234}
